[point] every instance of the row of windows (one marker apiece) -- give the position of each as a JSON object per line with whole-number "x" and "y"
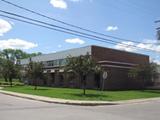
{"x": 55, "y": 63}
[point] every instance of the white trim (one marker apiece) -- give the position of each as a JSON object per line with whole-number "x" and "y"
{"x": 116, "y": 66}
{"x": 52, "y": 70}
{"x": 61, "y": 70}
{"x": 124, "y": 63}
{"x": 45, "y": 71}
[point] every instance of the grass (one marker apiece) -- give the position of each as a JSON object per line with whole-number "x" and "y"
{"x": 76, "y": 94}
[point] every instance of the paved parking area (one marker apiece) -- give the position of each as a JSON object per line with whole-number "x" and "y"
{"x": 14, "y": 108}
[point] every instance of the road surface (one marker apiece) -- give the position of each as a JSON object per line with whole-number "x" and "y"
{"x": 14, "y": 108}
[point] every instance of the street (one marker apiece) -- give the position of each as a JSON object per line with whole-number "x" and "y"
{"x": 14, "y": 108}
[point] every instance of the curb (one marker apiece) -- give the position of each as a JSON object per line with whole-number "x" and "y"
{"x": 76, "y": 102}
{"x": 56, "y": 100}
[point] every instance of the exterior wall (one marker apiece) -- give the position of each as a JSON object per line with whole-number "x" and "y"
{"x": 118, "y": 63}
{"x": 101, "y": 53}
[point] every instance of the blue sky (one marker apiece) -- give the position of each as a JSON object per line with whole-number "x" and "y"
{"x": 129, "y": 19}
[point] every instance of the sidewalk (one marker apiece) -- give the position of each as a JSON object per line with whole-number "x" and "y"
{"x": 76, "y": 102}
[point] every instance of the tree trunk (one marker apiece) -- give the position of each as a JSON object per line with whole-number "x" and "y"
{"x": 35, "y": 87}
{"x": 5, "y": 78}
{"x": 35, "y": 84}
{"x": 10, "y": 80}
{"x": 20, "y": 80}
{"x": 84, "y": 84}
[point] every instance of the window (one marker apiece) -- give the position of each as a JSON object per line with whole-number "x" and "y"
{"x": 50, "y": 63}
{"x": 62, "y": 62}
{"x": 55, "y": 63}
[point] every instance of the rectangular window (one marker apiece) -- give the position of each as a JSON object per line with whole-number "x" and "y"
{"x": 62, "y": 62}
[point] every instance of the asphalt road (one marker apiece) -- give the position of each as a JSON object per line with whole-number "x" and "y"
{"x": 14, "y": 108}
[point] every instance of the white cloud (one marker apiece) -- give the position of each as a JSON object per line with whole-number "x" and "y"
{"x": 4, "y": 27}
{"x": 126, "y": 46}
{"x": 63, "y": 4}
{"x": 155, "y": 60}
{"x": 151, "y": 45}
{"x": 112, "y": 28}
{"x": 75, "y": 41}
{"x": 16, "y": 44}
{"x": 147, "y": 44}
{"x": 59, "y": 4}
{"x": 12, "y": 23}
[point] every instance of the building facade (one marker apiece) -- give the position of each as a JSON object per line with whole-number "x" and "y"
{"x": 117, "y": 64}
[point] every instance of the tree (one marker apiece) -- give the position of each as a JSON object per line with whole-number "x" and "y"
{"x": 16, "y": 54}
{"x": 11, "y": 70}
{"x": 81, "y": 66}
{"x": 8, "y": 70}
{"x": 35, "y": 72}
{"x": 146, "y": 73}
{"x": 9, "y": 63}
{"x": 3, "y": 71}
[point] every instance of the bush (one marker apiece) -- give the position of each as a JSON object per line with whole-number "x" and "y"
{"x": 2, "y": 83}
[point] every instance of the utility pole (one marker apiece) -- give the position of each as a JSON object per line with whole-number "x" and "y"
{"x": 158, "y": 29}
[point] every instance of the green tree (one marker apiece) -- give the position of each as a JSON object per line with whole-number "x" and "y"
{"x": 3, "y": 70}
{"x": 81, "y": 66}
{"x": 146, "y": 73}
{"x": 16, "y": 54}
{"x": 35, "y": 72}
{"x": 8, "y": 70}
{"x": 9, "y": 63}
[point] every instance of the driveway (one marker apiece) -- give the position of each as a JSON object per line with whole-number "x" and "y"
{"x": 14, "y": 108}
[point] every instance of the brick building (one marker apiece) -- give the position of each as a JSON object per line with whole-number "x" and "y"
{"x": 117, "y": 64}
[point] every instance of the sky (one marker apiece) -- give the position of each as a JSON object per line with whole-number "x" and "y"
{"x": 128, "y": 19}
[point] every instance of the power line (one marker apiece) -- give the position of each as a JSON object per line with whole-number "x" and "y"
{"x": 68, "y": 24}
{"x": 71, "y": 32}
{"x": 66, "y": 28}
{"x": 13, "y": 14}
{"x": 32, "y": 23}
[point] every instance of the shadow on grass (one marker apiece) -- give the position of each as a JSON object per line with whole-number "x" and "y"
{"x": 32, "y": 88}
{"x": 42, "y": 89}
{"x": 87, "y": 95}
{"x": 151, "y": 91}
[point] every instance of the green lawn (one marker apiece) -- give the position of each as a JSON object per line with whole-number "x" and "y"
{"x": 76, "y": 94}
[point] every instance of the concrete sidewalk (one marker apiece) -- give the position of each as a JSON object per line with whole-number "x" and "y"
{"x": 76, "y": 102}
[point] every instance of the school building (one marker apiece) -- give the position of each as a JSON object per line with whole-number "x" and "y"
{"x": 117, "y": 63}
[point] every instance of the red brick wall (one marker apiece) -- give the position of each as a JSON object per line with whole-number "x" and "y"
{"x": 101, "y": 53}
{"x": 118, "y": 77}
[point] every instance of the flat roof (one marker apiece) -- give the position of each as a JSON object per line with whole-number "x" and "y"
{"x": 59, "y": 55}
